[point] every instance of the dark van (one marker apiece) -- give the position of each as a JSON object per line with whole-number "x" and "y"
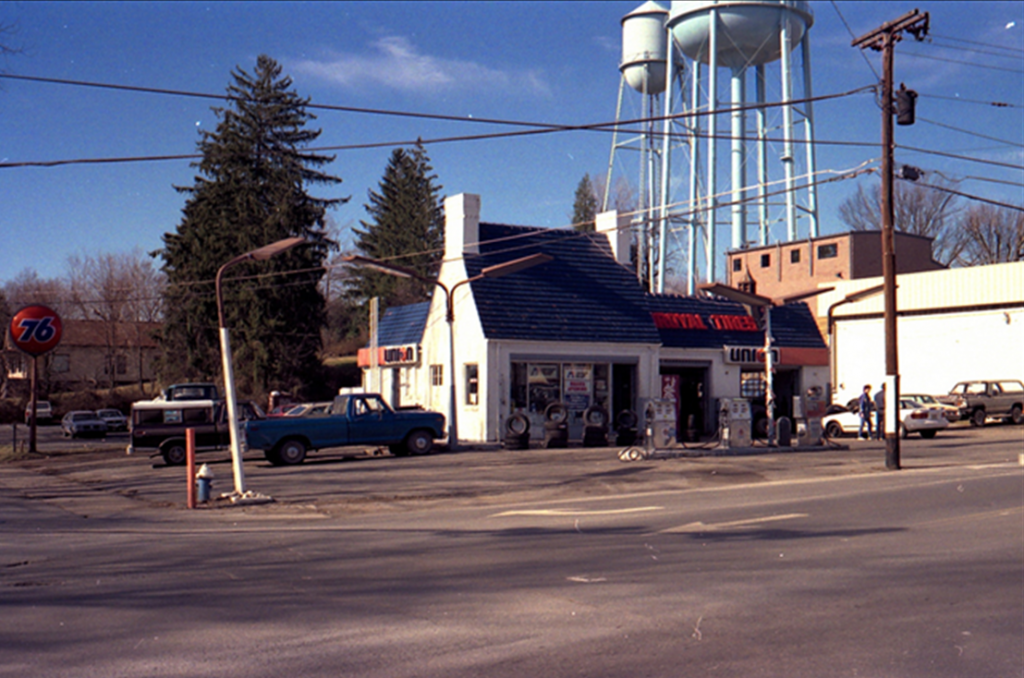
{"x": 159, "y": 426}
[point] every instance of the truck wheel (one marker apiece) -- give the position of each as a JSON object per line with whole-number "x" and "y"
{"x": 419, "y": 442}
{"x": 1015, "y": 415}
{"x": 291, "y": 452}
{"x": 174, "y": 453}
{"x": 978, "y": 417}
{"x": 833, "y": 430}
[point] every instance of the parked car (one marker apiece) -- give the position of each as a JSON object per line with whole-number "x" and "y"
{"x": 913, "y": 419}
{"x": 979, "y": 400}
{"x": 951, "y": 412}
{"x": 44, "y": 412}
{"x": 82, "y": 424}
{"x": 114, "y": 419}
{"x": 190, "y": 391}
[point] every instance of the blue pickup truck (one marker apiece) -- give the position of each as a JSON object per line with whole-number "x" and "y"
{"x": 356, "y": 419}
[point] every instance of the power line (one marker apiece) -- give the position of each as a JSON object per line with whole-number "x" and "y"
{"x": 973, "y": 134}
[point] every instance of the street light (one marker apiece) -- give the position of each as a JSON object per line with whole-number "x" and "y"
{"x": 750, "y": 299}
{"x": 491, "y": 272}
{"x": 260, "y": 254}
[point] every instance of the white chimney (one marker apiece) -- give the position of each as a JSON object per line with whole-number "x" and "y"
{"x": 461, "y": 225}
{"x": 616, "y": 229}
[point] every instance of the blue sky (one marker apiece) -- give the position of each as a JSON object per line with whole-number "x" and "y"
{"x": 543, "y": 62}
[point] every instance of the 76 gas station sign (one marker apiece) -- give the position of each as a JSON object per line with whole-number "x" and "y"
{"x": 36, "y": 329}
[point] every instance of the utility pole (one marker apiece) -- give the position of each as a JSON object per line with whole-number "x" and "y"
{"x": 884, "y": 39}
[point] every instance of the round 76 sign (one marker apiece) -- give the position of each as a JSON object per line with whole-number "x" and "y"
{"x": 36, "y": 329}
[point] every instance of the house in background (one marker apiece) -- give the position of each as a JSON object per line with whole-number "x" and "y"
{"x": 91, "y": 354}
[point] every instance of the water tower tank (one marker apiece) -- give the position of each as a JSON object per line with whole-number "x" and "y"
{"x": 749, "y": 30}
{"x": 645, "y": 48}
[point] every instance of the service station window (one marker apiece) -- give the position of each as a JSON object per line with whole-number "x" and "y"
{"x": 437, "y": 375}
{"x": 752, "y": 384}
{"x": 472, "y": 385}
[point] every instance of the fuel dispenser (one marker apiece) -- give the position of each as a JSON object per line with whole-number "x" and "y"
{"x": 734, "y": 422}
{"x": 808, "y": 409}
{"x": 660, "y": 430}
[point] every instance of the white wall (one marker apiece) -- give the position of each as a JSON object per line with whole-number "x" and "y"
{"x": 934, "y": 351}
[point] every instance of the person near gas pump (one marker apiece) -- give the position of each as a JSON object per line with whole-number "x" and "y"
{"x": 880, "y": 413}
{"x": 864, "y": 409}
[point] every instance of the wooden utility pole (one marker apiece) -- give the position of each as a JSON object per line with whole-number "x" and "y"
{"x": 883, "y": 39}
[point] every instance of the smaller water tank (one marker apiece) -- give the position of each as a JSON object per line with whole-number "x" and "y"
{"x": 645, "y": 48}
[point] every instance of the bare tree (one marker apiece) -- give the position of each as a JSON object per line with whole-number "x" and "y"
{"x": 991, "y": 235}
{"x": 123, "y": 291}
{"x": 918, "y": 209}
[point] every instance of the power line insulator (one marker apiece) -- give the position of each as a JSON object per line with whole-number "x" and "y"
{"x": 905, "y": 102}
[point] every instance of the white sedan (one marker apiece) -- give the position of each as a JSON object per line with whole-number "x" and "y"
{"x": 913, "y": 419}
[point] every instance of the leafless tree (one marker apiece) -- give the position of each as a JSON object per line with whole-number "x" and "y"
{"x": 917, "y": 209}
{"x": 991, "y": 235}
{"x": 121, "y": 290}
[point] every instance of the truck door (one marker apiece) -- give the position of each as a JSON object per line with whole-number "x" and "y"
{"x": 370, "y": 420}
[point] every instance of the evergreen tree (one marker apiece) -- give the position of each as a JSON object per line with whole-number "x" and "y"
{"x": 584, "y": 209}
{"x": 250, "y": 192}
{"x": 407, "y": 229}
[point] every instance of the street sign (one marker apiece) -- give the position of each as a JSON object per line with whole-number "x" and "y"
{"x": 36, "y": 329}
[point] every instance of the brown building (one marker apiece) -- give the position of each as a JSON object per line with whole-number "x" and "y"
{"x": 783, "y": 268}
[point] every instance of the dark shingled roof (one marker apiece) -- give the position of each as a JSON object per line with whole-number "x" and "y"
{"x": 403, "y": 325}
{"x": 792, "y": 325}
{"x": 583, "y": 295}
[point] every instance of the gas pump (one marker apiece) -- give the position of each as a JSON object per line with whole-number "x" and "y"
{"x": 734, "y": 422}
{"x": 811, "y": 407}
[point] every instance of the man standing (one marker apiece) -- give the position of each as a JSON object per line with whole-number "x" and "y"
{"x": 864, "y": 408}
{"x": 880, "y": 413}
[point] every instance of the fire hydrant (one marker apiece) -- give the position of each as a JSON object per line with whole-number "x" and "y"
{"x": 204, "y": 481}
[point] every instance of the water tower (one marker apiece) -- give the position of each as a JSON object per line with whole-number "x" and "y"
{"x": 738, "y": 35}
{"x": 645, "y": 71}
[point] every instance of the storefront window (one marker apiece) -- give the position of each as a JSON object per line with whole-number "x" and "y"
{"x": 576, "y": 385}
{"x": 752, "y": 384}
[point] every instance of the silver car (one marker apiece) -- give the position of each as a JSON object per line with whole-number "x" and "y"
{"x": 82, "y": 423}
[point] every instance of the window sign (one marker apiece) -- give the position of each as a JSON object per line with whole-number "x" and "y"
{"x": 577, "y": 386}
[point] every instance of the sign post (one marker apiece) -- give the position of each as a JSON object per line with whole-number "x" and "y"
{"x": 35, "y": 330}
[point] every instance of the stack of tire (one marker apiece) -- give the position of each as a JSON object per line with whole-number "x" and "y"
{"x": 517, "y": 432}
{"x": 625, "y": 428}
{"x": 595, "y": 427}
{"x": 556, "y": 426}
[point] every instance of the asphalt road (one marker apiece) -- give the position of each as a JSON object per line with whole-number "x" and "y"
{"x": 535, "y": 563}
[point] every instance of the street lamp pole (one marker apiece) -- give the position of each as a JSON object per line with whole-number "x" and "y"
{"x": 490, "y": 272}
{"x": 260, "y": 254}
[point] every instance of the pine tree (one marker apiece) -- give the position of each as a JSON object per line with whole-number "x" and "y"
{"x": 584, "y": 209}
{"x": 407, "y": 229}
{"x": 250, "y": 192}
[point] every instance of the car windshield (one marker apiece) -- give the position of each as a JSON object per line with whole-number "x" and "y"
{"x": 82, "y": 416}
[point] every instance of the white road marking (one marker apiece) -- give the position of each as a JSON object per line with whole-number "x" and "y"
{"x": 711, "y": 527}
{"x": 561, "y": 513}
